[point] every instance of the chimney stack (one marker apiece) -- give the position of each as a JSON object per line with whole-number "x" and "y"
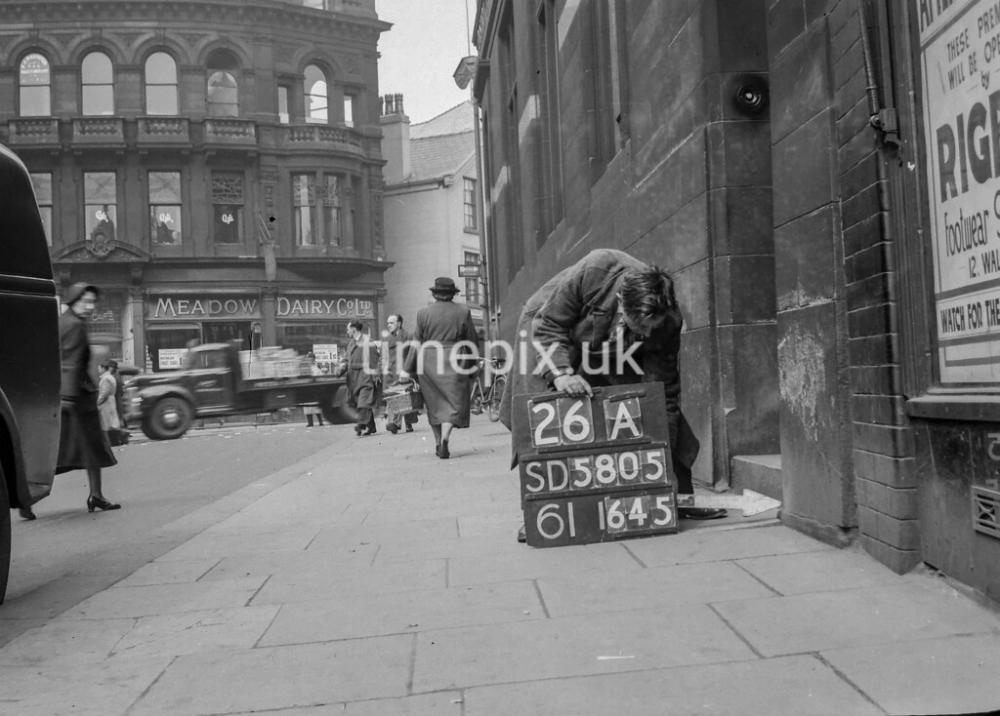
{"x": 395, "y": 139}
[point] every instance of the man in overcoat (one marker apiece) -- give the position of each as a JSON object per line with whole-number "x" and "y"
{"x": 397, "y": 349}
{"x": 587, "y": 316}
{"x": 361, "y": 364}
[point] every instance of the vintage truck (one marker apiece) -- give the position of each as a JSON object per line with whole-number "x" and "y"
{"x": 217, "y": 379}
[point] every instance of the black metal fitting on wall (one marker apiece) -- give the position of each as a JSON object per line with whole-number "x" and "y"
{"x": 750, "y": 95}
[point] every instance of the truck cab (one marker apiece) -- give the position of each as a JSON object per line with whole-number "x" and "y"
{"x": 29, "y": 360}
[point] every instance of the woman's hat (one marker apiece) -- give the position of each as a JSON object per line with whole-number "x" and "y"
{"x": 443, "y": 284}
{"x": 76, "y": 291}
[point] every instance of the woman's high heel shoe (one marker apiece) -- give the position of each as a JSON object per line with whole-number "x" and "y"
{"x": 101, "y": 504}
{"x": 443, "y": 452}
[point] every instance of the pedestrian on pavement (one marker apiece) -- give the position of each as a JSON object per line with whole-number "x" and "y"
{"x": 398, "y": 345}
{"x": 83, "y": 445}
{"x": 444, "y": 362}
{"x": 312, "y": 410}
{"x": 607, "y": 304}
{"x": 107, "y": 406}
{"x": 361, "y": 365}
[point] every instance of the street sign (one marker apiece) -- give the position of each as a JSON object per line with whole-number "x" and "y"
{"x": 594, "y": 469}
{"x": 469, "y": 271}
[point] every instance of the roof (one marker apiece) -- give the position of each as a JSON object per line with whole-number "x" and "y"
{"x": 440, "y": 146}
{"x": 452, "y": 121}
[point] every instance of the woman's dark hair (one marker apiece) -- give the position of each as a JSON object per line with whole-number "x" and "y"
{"x": 443, "y": 295}
{"x": 647, "y": 293}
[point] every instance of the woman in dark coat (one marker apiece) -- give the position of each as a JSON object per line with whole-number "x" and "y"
{"x": 445, "y": 362}
{"x": 82, "y": 443}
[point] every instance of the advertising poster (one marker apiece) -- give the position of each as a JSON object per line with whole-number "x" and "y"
{"x": 960, "y": 62}
{"x": 171, "y": 358}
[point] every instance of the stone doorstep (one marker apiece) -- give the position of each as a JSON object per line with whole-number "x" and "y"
{"x": 760, "y": 473}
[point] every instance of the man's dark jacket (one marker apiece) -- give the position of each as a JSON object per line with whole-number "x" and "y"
{"x": 578, "y": 309}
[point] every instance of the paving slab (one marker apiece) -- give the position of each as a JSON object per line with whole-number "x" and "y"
{"x": 265, "y": 565}
{"x": 573, "y": 646}
{"x": 218, "y": 543}
{"x": 66, "y": 642}
{"x": 165, "y": 599}
{"x": 478, "y": 546}
{"x": 87, "y": 689}
{"x": 528, "y": 563}
{"x": 191, "y": 632}
{"x": 855, "y": 617}
{"x": 668, "y": 587}
{"x": 791, "y": 686}
{"x": 394, "y": 613}
{"x": 443, "y": 703}
{"x": 303, "y": 586}
{"x": 710, "y": 545}
{"x": 391, "y": 532}
{"x": 936, "y": 676}
{"x": 170, "y": 572}
{"x": 820, "y": 571}
{"x": 222, "y": 682}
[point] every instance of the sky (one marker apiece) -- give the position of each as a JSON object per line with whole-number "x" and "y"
{"x": 421, "y": 51}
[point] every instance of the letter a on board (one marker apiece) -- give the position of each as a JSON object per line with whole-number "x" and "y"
{"x": 624, "y": 421}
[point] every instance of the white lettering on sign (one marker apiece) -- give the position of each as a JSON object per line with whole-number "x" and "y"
{"x": 169, "y": 307}
{"x": 563, "y": 421}
{"x": 624, "y": 418}
{"x": 590, "y": 472}
{"x": 288, "y": 307}
{"x": 960, "y": 57}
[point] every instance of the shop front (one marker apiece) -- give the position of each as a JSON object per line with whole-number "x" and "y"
{"x": 304, "y": 322}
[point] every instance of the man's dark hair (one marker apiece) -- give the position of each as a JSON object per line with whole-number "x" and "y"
{"x": 647, "y": 293}
{"x": 357, "y": 325}
{"x": 399, "y": 318}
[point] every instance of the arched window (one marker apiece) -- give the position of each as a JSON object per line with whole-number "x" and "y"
{"x": 35, "y": 83}
{"x": 222, "y": 94}
{"x": 161, "y": 84}
{"x": 98, "y": 80}
{"x": 315, "y": 93}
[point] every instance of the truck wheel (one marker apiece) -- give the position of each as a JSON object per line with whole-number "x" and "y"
{"x": 169, "y": 419}
{"x": 4, "y": 535}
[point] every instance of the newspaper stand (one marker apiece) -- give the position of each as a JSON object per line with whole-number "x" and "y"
{"x": 595, "y": 469}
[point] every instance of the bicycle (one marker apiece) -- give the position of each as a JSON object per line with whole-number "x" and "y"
{"x": 490, "y": 397}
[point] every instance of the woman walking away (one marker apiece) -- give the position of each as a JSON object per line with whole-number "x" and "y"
{"x": 82, "y": 443}
{"x": 447, "y": 339}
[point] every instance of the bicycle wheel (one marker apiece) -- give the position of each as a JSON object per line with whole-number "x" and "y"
{"x": 476, "y": 398}
{"x": 496, "y": 394}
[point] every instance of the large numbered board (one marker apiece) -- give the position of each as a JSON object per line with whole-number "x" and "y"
{"x": 595, "y": 468}
{"x": 599, "y": 517}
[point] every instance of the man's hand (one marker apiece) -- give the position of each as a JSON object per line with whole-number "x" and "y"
{"x": 572, "y": 385}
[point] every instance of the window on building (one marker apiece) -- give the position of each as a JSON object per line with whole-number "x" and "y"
{"x": 548, "y": 158}
{"x": 349, "y": 110}
{"x": 472, "y": 283}
{"x": 42, "y": 182}
{"x": 161, "y": 85}
{"x": 315, "y": 89}
{"x": 227, "y": 207}
{"x": 222, "y": 91}
{"x": 304, "y": 208}
{"x": 469, "y": 203}
{"x": 165, "y": 207}
{"x": 34, "y": 86}
{"x": 100, "y": 204}
{"x": 98, "y": 84}
{"x": 283, "y": 104}
{"x": 332, "y": 214}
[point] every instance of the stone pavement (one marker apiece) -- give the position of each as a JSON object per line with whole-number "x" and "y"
{"x": 373, "y": 578}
